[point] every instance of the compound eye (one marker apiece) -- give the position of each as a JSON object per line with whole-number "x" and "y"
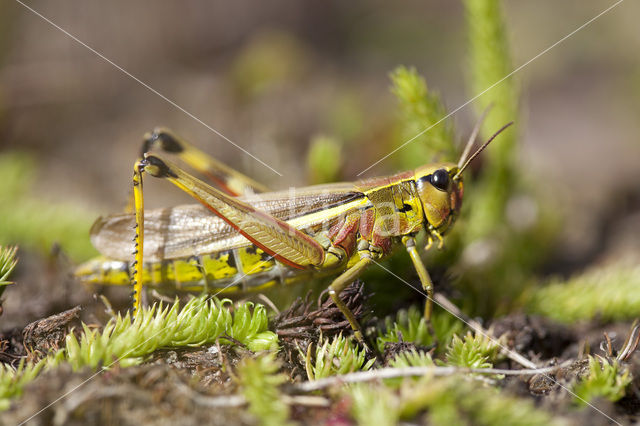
{"x": 440, "y": 179}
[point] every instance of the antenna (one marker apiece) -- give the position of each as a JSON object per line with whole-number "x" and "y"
{"x": 484, "y": 145}
{"x": 474, "y": 134}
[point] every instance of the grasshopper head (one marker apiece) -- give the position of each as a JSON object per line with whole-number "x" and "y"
{"x": 440, "y": 190}
{"x": 440, "y": 186}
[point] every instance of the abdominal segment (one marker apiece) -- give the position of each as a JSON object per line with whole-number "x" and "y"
{"x": 242, "y": 269}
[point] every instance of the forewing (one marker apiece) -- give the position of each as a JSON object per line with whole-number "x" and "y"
{"x": 170, "y": 233}
{"x": 188, "y": 230}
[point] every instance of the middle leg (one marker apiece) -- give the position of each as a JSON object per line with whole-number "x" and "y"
{"x": 423, "y": 274}
{"x": 340, "y": 283}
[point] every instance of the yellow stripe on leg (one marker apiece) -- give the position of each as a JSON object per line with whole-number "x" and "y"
{"x": 139, "y": 238}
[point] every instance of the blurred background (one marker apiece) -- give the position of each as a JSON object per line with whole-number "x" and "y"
{"x": 280, "y": 77}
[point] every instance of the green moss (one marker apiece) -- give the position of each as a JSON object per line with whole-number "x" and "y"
{"x": 609, "y": 293}
{"x": 474, "y": 351}
{"x": 412, "y": 358}
{"x": 455, "y": 400}
{"x": 339, "y": 355}
{"x": 12, "y": 381}
{"x": 411, "y": 326}
{"x": 259, "y": 380}
{"x": 201, "y": 321}
{"x": 605, "y": 380}
{"x": 373, "y": 405}
{"x": 249, "y": 326}
{"x": 442, "y": 401}
{"x": 8, "y": 262}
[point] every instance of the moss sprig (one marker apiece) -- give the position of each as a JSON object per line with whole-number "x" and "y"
{"x": 259, "y": 380}
{"x": 443, "y": 401}
{"x": 607, "y": 292}
{"x": 412, "y": 358}
{"x": 201, "y": 321}
{"x": 8, "y": 263}
{"x": 409, "y": 325}
{"x": 340, "y": 355}
{"x": 605, "y": 379}
{"x": 373, "y": 405}
{"x": 13, "y": 381}
{"x": 472, "y": 351}
{"x": 454, "y": 400}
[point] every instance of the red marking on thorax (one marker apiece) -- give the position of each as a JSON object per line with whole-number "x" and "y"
{"x": 347, "y": 235}
{"x": 344, "y": 233}
{"x": 367, "y": 220}
{"x": 335, "y": 228}
{"x": 382, "y": 241}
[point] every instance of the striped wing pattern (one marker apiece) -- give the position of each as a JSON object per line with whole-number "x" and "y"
{"x": 187, "y": 230}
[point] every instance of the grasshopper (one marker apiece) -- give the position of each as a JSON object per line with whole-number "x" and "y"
{"x": 242, "y": 237}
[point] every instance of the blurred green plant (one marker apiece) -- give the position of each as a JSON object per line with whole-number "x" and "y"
{"x": 508, "y": 225}
{"x": 373, "y": 405}
{"x": 412, "y": 358}
{"x": 13, "y": 381}
{"x": 605, "y": 379}
{"x": 455, "y": 400}
{"x": 259, "y": 380}
{"x": 33, "y": 222}
{"x": 444, "y": 401}
{"x": 490, "y": 63}
{"x": 609, "y": 293}
{"x": 339, "y": 355}
{"x": 495, "y": 270}
{"x": 270, "y": 59}
{"x": 345, "y": 118}
{"x": 420, "y": 109}
{"x": 8, "y": 262}
{"x": 324, "y": 160}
